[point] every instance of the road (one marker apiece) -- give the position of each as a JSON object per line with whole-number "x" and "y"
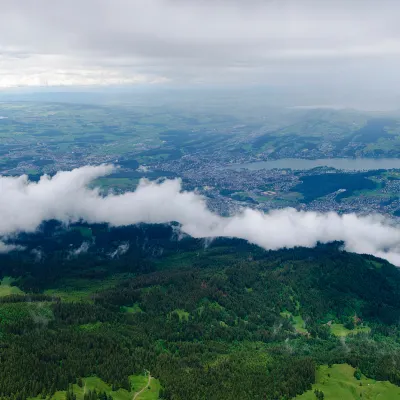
{"x": 141, "y": 391}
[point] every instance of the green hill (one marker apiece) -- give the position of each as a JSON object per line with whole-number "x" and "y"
{"x": 223, "y": 322}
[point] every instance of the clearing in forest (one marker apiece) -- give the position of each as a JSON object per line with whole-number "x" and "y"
{"x": 141, "y": 389}
{"x": 339, "y": 382}
{"x": 6, "y": 287}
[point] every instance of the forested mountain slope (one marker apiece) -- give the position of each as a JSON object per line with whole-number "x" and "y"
{"x": 219, "y": 320}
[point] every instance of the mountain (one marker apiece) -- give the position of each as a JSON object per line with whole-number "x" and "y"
{"x": 86, "y": 310}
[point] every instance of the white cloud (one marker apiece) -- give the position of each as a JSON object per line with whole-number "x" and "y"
{"x": 83, "y": 248}
{"x": 287, "y": 42}
{"x": 120, "y": 250}
{"x": 66, "y": 197}
{"x": 6, "y": 248}
{"x": 38, "y": 254}
{"x": 54, "y": 70}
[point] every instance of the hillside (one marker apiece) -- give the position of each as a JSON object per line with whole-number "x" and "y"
{"x": 219, "y": 320}
{"x": 340, "y": 382}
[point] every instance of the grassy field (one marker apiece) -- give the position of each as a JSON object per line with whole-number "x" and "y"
{"x": 6, "y": 288}
{"x": 298, "y": 321}
{"x": 138, "y": 383}
{"x": 299, "y": 324}
{"x": 340, "y": 330}
{"x": 91, "y": 326}
{"x": 84, "y": 231}
{"x": 182, "y": 314}
{"x": 133, "y": 309}
{"x": 339, "y": 382}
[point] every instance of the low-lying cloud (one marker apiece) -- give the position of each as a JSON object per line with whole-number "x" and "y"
{"x": 120, "y": 250}
{"x": 24, "y": 205}
{"x": 82, "y": 249}
{"x": 6, "y": 248}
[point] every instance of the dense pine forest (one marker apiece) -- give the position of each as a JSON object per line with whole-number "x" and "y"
{"x": 211, "y": 320}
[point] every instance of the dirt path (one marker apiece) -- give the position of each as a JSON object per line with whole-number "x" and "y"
{"x": 141, "y": 391}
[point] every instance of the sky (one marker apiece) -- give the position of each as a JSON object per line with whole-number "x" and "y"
{"x": 326, "y": 45}
{"x": 66, "y": 197}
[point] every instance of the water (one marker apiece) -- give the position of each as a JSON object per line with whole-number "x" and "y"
{"x": 347, "y": 164}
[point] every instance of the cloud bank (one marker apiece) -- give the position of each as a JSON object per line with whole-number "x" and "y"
{"x": 342, "y": 44}
{"x": 24, "y": 205}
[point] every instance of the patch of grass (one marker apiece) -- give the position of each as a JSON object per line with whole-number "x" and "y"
{"x": 297, "y": 320}
{"x": 376, "y": 264}
{"x": 182, "y": 314}
{"x": 84, "y": 231}
{"x": 339, "y": 382}
{"x": 286, "y": 199}
{"x": 151, "y": 392}
{"x": 299, "y": 324}
{"x": 138, "y": 382}
{"x": 91, "y": 327}
{"x": 6, "y": 287}
{"x": 340, "y": 331}
{"x": 132, "y": 310}
{"x": 214, "y": 305}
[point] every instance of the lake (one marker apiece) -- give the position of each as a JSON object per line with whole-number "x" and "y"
{"x": 347, "y": 164}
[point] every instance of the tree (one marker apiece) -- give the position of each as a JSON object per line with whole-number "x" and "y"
{"x": 319, "y": 394}
{"x": 70, "y": 395}
{"x": 357, "y": 374}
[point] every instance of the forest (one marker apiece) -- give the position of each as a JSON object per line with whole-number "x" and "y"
{"x": 219, "y": 320}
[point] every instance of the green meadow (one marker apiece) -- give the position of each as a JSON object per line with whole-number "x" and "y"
{"x": 138, "y": 382}
{"x": 339, "y": 383}
{"x": 6, "y": 287}
{"x": 340, "y": 330}
{"x": 297, "y": 321}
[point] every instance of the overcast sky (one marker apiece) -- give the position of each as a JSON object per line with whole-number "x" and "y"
{"x": 334, "y": 45}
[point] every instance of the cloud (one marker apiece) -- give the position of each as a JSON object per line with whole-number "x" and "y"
{"x": 120, "y": 250}
{"x": 56, "y": 70}
{"x": 83, "y": 248}
{"x": 66, "y": 197}
{"x": 6, "y": 248}
{"x": 38, "y": 254}
{"x": 337, "y": 44}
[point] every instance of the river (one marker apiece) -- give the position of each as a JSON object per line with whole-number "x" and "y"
{"x": 347, "y": 164}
